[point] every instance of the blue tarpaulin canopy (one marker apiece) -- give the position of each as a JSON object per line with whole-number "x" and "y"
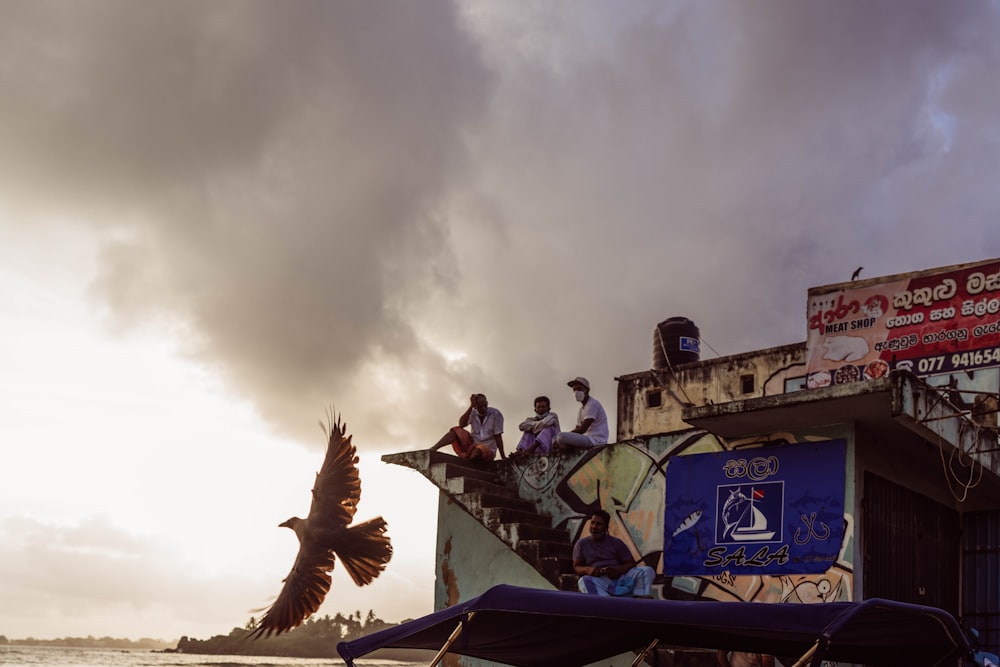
{"x": 527, "y": 627}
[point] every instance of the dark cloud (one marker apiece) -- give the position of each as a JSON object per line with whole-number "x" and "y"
{"x": 265, "y": 175}
{"x": 717, "y": 159}
{"x": 397, "y": 205}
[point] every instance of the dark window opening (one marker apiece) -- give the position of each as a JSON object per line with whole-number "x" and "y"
{"x": 746, "y": 384}
{"x": 654, "y": 399}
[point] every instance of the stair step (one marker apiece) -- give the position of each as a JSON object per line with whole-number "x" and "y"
{"x": 493, "y": 516}
{"x": 459, "y": 485}
{"x": 484, "y": 501}
{"x": 535, "y": 550}
{"x": 554, "y": 568}
{"x": 568, "y": 582}
{"x": 437, "y": 458}
{"x": 514, "y": 533}
{"x": 445, "y": 456}
{"x": 452, "y": 471}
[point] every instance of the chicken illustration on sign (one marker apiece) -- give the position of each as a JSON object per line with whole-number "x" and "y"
{"x": 928, "y": 323}
{"x": 324, "y": 535}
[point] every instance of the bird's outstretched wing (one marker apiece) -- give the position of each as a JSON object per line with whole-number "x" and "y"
{"x": 303, "y": 592}
{"x": 365, "y": 549}
{"x": 337, "y": 490}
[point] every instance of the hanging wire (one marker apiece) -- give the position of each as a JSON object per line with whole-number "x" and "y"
{"x": 963, "y": 470}
{"x": 705, "y": 342}
{"x": 975, "y": 473}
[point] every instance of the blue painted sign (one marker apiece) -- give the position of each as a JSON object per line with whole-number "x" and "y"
{"x": 768, "y": 510}
{"x": 688, "y": 344}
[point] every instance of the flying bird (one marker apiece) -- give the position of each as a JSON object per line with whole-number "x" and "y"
{"x": 326, "y": 535}
{"x": 857, "y": 273}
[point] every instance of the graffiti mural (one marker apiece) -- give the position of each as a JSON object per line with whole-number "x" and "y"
{"x": 628, "y": 480}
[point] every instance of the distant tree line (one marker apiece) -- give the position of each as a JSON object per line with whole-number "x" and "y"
{"x": 316, "y": 638}
{"x": 88, "y": 642}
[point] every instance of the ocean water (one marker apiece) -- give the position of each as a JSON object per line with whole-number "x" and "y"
{"x": 52, "y": 656}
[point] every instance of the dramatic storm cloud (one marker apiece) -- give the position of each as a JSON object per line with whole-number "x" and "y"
{"x": 261, "y": 178}
{"x": 389, "y": 206}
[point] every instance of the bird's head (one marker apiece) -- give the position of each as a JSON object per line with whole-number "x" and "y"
{"x": 291, "y": 523}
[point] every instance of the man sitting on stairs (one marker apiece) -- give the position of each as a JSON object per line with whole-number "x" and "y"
{"x": 606, "y": 566}
{"x": 540, "y": 429}
{"x": 485, "y": 434}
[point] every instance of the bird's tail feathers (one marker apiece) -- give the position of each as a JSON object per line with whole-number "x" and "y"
{"x": 366, "y": 551}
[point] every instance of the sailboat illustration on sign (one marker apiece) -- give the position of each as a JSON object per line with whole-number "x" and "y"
{"x": 742, "y": 520}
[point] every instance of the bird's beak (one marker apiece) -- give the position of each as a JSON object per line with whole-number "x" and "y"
{"x": 284, "y": 524}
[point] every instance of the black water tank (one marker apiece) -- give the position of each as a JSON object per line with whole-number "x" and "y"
{"x": 675, "y": 340}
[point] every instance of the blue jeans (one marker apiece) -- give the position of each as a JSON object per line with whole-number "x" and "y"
{"x": 637, "y": 582}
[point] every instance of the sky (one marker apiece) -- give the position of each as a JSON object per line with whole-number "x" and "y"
{"x": 218, "y": 219}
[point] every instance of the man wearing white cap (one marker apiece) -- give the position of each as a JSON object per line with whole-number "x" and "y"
{"x": 591, "y": 422}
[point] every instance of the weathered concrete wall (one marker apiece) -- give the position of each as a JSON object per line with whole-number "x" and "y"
{"x": 650, "y": 402}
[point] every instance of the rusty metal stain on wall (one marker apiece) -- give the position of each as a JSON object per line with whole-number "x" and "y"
{"x": 452, "y": 594}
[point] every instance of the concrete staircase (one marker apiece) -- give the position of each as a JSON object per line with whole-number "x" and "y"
{"x": 480, "y": 490}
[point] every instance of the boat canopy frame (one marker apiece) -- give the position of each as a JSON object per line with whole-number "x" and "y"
{"x": 527, "y": 627}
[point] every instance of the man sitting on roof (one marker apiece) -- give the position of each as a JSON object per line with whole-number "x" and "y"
{"x": 606, "y": 566}
{"x": 484, "y": 436}
{"x": 591, "y": 422}
{"x": 540, "y": 429}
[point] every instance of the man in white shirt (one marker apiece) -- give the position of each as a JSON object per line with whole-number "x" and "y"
{"x": 591, "y": 422}
{"x": 485, "y": 434}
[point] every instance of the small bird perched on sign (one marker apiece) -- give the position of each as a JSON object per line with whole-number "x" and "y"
{"x": 857, "y": 273}
{"x": 325, "y": 535}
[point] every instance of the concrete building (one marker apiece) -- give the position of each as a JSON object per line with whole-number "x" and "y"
{"x": 860, "y": 463}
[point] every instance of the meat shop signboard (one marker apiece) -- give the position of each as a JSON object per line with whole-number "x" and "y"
{"x": 930, "y": 322}
{"x": 766, "y": 510}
